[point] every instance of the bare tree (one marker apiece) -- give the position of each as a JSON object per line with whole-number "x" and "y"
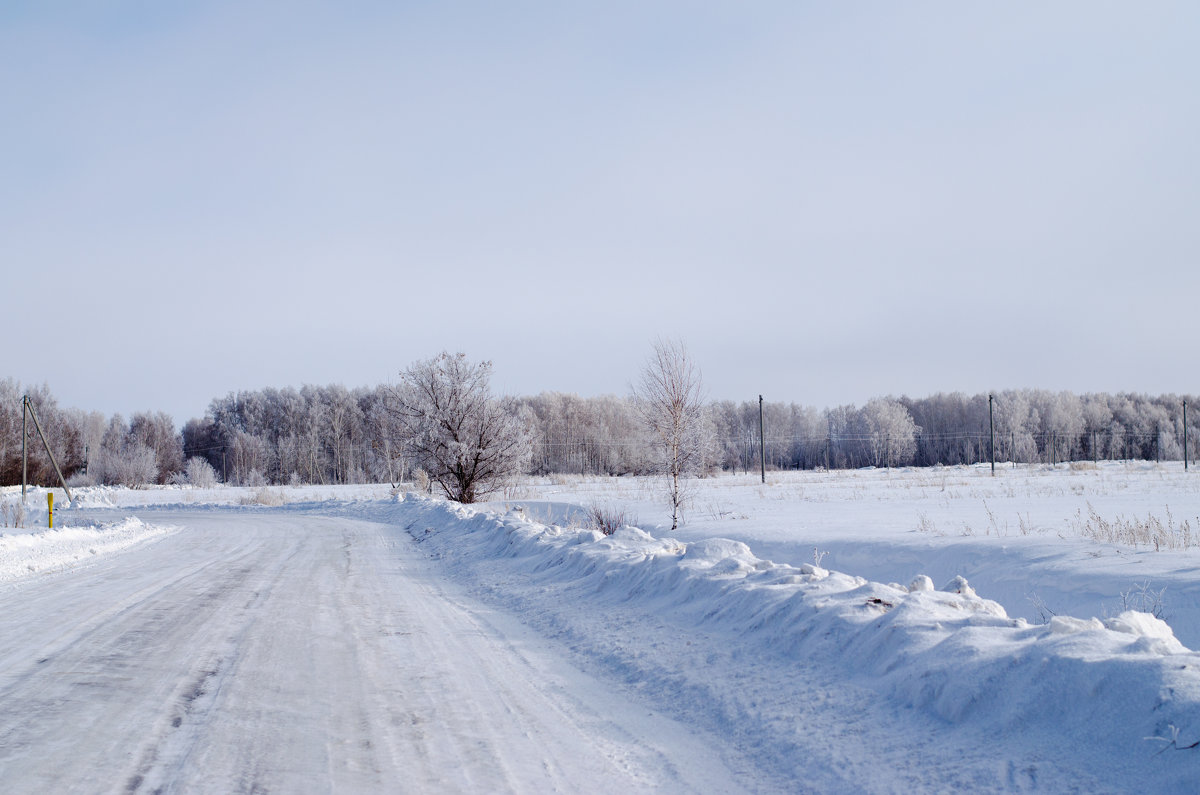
{"x": 468, "y": 441}
{"x": 670, "y": 401}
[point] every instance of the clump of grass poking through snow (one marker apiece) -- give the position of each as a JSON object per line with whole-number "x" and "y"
{"x": 1142, "y": 598}
{"x": 1134, "y": 531}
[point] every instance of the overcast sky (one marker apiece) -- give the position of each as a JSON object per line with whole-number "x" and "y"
{"x": 826, "y": 201}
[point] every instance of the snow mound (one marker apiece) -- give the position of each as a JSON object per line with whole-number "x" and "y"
{"x": 27, "y": 554}
{"x": 1113, "y": 686}
{"x": 95, "y": 497}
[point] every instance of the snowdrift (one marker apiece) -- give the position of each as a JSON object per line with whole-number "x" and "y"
{"x": 1120, "y": 696}
{"x": 23, "y": 554}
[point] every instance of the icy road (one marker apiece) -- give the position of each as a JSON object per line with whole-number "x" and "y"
{"x": 407, "y": 644}
{"x": 255, "y": 652}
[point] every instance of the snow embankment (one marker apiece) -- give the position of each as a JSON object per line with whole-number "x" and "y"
{"x": 25, "y": 554}
{"x": 1120, "y": 697}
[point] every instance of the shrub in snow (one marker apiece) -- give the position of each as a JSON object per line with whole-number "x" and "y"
{"x": 254, "y": 478}
{"x": 200, "y": 473}
{"x": 81, "y": 480}
{"x": 272, "y": 498}
{"x": 12, "y": 513}
{"x": 609, "y": 520}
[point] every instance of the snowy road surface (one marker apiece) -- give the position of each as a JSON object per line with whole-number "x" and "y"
{"x": 254, "y": 651}
{"x": 397, "y": 643}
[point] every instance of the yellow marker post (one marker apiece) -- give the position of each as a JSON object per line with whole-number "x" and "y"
{"x": 50, "y": 503}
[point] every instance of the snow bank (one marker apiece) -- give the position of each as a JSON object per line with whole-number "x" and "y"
{"x": 1125, "y": 689}
{"x": 25, "y": 554}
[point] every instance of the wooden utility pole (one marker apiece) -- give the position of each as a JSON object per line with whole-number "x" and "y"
{"x": 762, "y": 442}
{"x": 828, "y": 444}
{"x": 25, "y": 443}
{"x": 42, "y": 436}
{"x": 992, "y": 433}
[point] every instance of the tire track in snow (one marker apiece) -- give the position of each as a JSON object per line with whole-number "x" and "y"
{"x": 281, "y": 651}
{"x": 167, "y": 753}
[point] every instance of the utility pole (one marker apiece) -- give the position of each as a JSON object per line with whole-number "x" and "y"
{"x": 992, "y": 433}
{"x": 762, "y": 442}
{"x": 28, "y": 407}
{"x": 25, "y": 441}
{"x": 1185, "y": 455}
{"x": 828, "y": 444}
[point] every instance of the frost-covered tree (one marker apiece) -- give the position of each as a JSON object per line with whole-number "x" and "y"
{"x": 890, "y": 432}
{"x": 1016, "y": 421}
{"x": 670, "y": 400}
{"x": 585, "y": 435}
{"x": 466, "y": 440}
{"x": 123, "y": 460}
{"x": 156, "y": 430}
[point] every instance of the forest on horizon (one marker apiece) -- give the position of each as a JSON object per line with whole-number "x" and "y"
{"x": 331, "y": 434}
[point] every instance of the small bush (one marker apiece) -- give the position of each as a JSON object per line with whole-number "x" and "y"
{"x": 254, "y": 478}
{"x": 272, "y": 498}
{"x": 200, "y": 473}
{"x": 609, "y": 520}
{"x": 80, "y": 480}
{"x": 12, "y": 513}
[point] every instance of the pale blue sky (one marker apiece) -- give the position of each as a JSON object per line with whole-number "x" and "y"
{"x": 826, "y": 201}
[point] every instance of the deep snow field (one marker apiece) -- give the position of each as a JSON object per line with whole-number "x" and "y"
{"x": 875, "y": 630}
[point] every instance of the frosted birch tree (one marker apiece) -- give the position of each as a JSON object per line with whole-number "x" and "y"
{"x": 669, "y": 398}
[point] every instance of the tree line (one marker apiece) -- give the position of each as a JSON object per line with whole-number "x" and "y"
{"x": 331, "y": 434}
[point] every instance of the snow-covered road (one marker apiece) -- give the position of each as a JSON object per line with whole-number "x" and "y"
{"x": 370, "y": 641}
{"x": 290, "y": 652}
